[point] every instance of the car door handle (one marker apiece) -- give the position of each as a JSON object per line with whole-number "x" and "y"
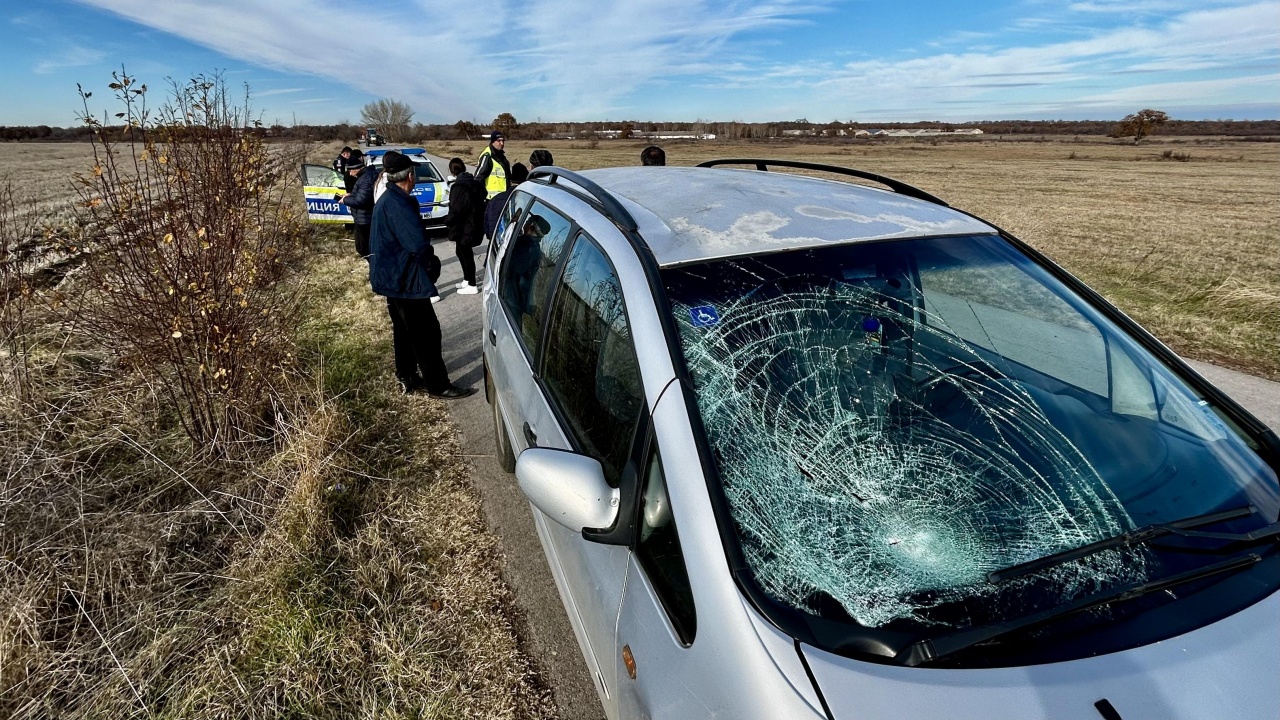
{"x": 530, "y": 436}
{"x": 493, "y": 337}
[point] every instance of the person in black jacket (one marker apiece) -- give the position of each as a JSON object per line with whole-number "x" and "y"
{"x": 360, "y": 200}
{"x": 465, "y": 222}
{"x": 403, "y": 268}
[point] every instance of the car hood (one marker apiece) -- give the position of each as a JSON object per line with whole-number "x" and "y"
{"x": 1224, "y": 670}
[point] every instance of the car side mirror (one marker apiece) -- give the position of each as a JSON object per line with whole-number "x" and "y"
{"x": 567, "y": 487}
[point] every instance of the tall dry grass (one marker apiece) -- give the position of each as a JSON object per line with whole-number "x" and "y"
{"x": 333, "y": 564}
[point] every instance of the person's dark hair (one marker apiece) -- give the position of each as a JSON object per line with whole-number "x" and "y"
{"x": 345, "y": 149}
{"x": 457, "y": 167}
{"x": 653, "y": 155}
{"x": 519, "y": 173}
{"x": 539, "y": 158}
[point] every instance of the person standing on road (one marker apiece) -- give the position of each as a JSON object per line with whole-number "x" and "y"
{"x": 492, "y": 169}
{"x": 361, "y": 202}
{"x": 340, "y": 163}
{"x": 465, "y": 222}
{"x": 653, "y": 156}
{"x": 403, "y": 268}
{"x": 493, "y": 210}
{"x": 539, "y": 158}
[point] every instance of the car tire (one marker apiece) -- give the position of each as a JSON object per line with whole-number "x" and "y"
{"x": 505, "y": 455}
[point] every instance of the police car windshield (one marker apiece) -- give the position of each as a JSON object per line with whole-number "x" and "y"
{"x": 426, "y": 172}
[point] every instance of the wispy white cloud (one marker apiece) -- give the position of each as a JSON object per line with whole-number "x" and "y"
{"x": 1197, "y": 40}
{"x": 560, "y": 58}
{"x": 277, "y": 91}
{"x": 68, "y": 57}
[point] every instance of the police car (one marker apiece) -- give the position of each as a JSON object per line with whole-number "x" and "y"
{"x": 322, "y": 186}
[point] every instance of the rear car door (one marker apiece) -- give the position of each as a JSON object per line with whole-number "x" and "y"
{"x": 320, "y": 188}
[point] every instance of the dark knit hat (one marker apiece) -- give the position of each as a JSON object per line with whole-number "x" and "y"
{"x": 496, "y": 136}
{"x": 539, "y": 158}
{"x": 356, "y": 160}
{"x": 519, "y": 173}
{"x": 394, "y": 162}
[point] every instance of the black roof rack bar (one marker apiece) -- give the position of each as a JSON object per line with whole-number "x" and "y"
{"x": 894, "y": 185}
{"x": 612, "y": 208}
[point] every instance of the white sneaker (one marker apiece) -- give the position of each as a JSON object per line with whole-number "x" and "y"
{"x": 435, "y": 299}
{"x": 461, "y": 284}
{"x": 468, "y": 290}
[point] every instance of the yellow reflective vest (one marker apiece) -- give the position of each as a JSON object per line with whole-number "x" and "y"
{"x": 497, "y": 180}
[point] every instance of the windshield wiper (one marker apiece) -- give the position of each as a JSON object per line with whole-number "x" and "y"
{"x": 928, "y": 650}
{"x": 1141, "y": 535}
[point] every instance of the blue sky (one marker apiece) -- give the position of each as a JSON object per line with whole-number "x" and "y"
{"x": 748, "y": 60}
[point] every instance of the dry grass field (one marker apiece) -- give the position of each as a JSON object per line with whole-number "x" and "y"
{"x": 1182, "y": 234}
{"x": 1188, "y": 247}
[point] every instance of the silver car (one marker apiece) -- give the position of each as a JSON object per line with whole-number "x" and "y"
{"x": 804, "y": 448}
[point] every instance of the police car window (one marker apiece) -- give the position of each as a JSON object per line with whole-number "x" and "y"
{"x": 658, "y": 551}
{"x": 590, "y": 363}
{"x": 320, "y": 176}
{"x": 529, "y": 269}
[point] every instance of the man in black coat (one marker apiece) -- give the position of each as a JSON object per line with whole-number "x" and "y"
{"x": 465, "y": 221}
{"x": 360, "y": 200}
{"x": 403, "y": 268}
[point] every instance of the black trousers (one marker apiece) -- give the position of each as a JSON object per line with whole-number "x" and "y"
{"x": 362, "y": 240}
{"x": 466, "y": 261}
{"x": 415, "y": 334}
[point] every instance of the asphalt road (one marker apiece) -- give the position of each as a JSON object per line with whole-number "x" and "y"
{"x": 549, "y": 636}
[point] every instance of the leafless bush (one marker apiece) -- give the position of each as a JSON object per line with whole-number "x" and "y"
{"x": 191, "y": 233}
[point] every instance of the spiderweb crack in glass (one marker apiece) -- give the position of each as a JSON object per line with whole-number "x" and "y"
{"x": 845, "y": 477}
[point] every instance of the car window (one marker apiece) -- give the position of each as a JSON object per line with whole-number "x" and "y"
{"x": 529, "y": 270}
{"x": 320, "y": 176}
{"x": 658, "y": 550}
{"x": 892, "y": 421}
{"x": 510, "y": 211}
{"x": 589, "y": 364}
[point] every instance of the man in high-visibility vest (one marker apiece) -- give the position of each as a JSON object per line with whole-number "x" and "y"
{"x": 492, "y": 169}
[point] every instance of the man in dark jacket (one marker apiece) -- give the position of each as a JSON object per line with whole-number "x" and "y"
{"x": 403, "y": 268}
{"x": 360, "y": 200}
{"x": 465, "y": 222}
{"x": 493, "y": 210}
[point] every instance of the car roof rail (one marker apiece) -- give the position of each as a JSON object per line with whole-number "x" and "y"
{"x": 612, "y": 208}
{"x": 894, "y": 185}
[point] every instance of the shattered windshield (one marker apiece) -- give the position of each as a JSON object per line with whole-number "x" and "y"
{"x": 892, "y": 421}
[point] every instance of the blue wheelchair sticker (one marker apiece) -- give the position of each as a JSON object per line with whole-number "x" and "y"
{"x": 703, "y": 316}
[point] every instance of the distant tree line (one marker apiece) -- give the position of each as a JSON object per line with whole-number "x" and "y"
{"x": 472, "y": 130}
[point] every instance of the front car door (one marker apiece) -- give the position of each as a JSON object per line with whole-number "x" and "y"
{"x": 320, "y": 187}
{"x": 560, "y": 301}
